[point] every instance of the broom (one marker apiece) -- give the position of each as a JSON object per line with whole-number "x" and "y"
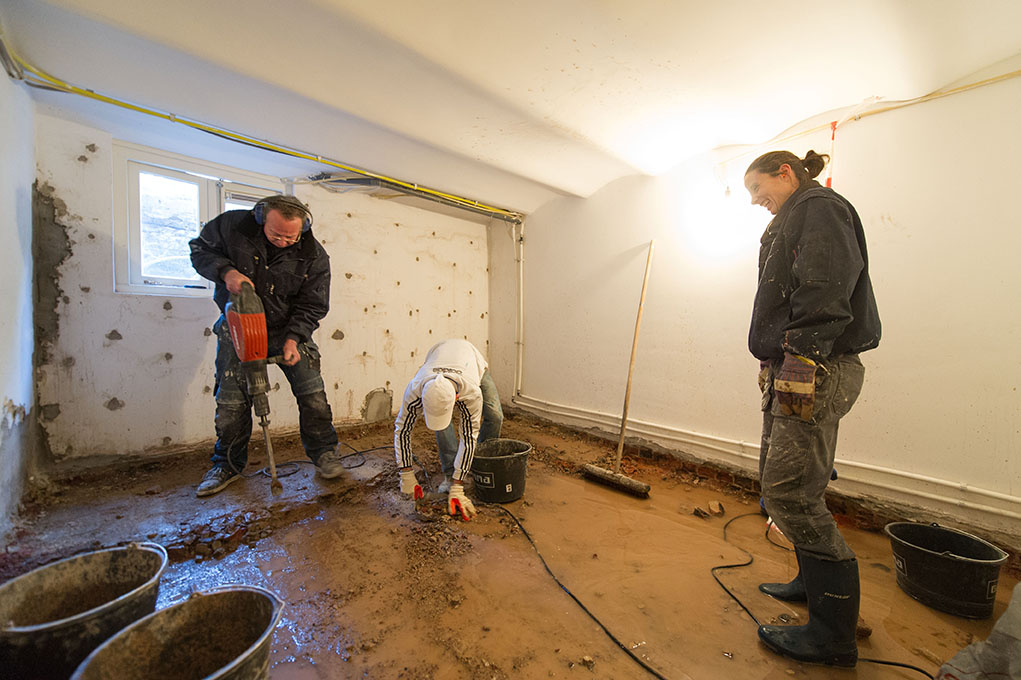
{"x": 615, "y": 479}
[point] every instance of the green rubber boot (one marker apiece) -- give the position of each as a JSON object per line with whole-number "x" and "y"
{"x": 833, "y": 601}
{"x": 789, "y": 592}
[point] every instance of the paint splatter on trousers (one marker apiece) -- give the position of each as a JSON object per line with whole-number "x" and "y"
{"x": 796, "y": 458}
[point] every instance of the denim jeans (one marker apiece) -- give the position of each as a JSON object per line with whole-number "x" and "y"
{"x": 492, "y": 422}
{"x": 796, "y": 458}
{"x": 234, "y": 406}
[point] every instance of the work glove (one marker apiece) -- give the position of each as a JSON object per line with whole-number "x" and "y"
{"x": 458, "y": 502}
{"x": 794, "y": 385}
{"x": 763, "y": 375}
{"x": 410, "y": 485}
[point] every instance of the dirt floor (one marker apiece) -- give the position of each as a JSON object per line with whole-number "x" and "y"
{"x": 378, "y": 587}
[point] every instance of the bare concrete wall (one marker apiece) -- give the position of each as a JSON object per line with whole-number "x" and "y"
{"x": 16, "y": 394}
{"x": 129, "y": 374}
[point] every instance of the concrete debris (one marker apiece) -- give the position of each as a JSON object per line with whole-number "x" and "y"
{"x": 929, "y": 656}
{"x": 716, "y": 508}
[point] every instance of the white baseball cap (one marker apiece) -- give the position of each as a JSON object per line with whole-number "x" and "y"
{"x": 438, "y": 397}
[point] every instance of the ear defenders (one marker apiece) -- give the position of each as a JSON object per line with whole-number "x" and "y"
{"x": 281, "y": 201}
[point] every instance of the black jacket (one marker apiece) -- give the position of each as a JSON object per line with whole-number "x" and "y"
{"x": 293, "y": 282}
{"x": 814, "y": 296}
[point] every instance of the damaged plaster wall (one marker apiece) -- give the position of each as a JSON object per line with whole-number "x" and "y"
{"x": 16, "y": 394}
{"x": 129, "y": 374}
{"x": 114, "y": 373}
{"x": 936, "y": 425}
{"x": 403, "y": 279}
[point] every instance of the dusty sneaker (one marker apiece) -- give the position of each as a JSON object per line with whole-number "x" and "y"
{"x": 445, "y": 485}
{"x": 329, "y": 465}
{"x": 216, "y": 480}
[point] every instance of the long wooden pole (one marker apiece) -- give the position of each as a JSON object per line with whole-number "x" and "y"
{"x": 631, "y": 366}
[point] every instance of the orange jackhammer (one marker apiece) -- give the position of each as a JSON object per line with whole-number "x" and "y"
{"x": 246, "y": 320}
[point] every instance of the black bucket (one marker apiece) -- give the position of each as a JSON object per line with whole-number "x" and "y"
{"x": 946, "y": 569}
{"x": 53, "y": 616}
{"x": 499, "y": 470}
{"x": 219, "y": 633}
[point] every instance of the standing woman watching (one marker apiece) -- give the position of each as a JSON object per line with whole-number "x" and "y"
{"x": 814, "y": 312}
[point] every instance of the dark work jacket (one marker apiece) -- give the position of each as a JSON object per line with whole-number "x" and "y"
{"x": 814, "y": 296}
{"x": 293, "y": 282}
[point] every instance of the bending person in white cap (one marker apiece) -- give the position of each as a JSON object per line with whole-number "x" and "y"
{"x": 457, "y": 395}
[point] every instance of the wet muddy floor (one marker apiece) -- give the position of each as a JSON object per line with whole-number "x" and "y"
{"x": 378, "y": 587}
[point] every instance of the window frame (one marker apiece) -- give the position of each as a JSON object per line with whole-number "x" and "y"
{"x": 217, "y": 183}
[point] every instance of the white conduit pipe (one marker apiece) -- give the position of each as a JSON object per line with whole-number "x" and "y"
{"x": 719, "y": 444}
{"x": 519, "y": 331}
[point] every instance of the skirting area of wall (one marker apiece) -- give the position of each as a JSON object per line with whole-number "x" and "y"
{"x": 936, "y": 499}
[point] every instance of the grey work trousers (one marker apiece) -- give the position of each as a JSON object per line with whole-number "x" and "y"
{"x": 796, "y": 457}
{"x": 234, "y": 406}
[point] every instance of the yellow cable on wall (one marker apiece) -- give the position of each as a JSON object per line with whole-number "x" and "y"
{"x": 50, "y": 82}
{"x": 833, "y": 126}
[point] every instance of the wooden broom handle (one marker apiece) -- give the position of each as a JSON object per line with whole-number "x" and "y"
{"x": 631, "y": 366}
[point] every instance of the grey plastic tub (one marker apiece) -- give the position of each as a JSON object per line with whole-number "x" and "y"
{"x": 216, "y": 634}
{"x": 53, "y": 616}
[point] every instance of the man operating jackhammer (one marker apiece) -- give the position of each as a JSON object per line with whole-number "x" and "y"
{"x": 458, "y": 397}
{"x": 270, "y": 247}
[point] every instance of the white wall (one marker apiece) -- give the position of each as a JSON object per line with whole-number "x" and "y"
{"x": 16, "y": 392}
{"x": 403, "y": 278}
{"x": 937, "y": 423}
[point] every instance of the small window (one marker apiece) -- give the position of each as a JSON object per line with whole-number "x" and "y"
{"x": 169, "y": 208}
{"x": 234, "y": 199}
{"x": 162, "y": 201}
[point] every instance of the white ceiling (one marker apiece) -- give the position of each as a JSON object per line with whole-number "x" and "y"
{"x": 510, "y": 103}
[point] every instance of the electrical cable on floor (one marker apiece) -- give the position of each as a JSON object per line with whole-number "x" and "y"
{"x": 769, "y": 537}
{"x": 635, "y": 657}
{"x": 735, "y": 565}
{"x": 288, "y": 468}
{"x": 592, "y": 616}
{"x": 751, "y": 559}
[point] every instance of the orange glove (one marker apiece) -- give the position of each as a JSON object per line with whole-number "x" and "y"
{"x": 458, "y": 502}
